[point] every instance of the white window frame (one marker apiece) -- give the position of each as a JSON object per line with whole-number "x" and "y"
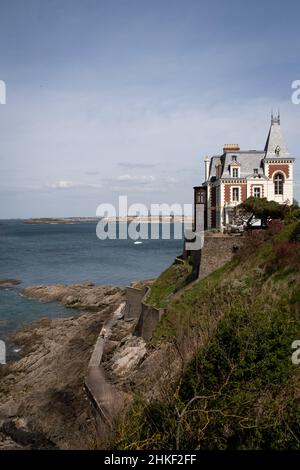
{"x": 260, "y": 191}
{"x": 278, "y": 173}
{"x": 239, "y": 193}
{"x": 238, "y": 171}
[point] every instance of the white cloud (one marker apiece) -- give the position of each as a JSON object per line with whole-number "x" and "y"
{"x": 73, "y": 185}
{"x": 88, "y": 147}
{"x": 143, "y": 179}
{"x": 132, "y": 165}
{"x": 143, "y": 183}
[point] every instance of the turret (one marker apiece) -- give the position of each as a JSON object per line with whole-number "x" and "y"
{"x": 206, "y": 163}
{"x": 275, "y": 145}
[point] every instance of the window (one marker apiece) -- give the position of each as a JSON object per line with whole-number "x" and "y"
{"x": 234, "y": 158}
{"x": 278, "y": 184}
{"x": 256, "y": 192}
{"x": 255, "y": 171}
{"x": 235, "y": 172}
{"x": 235, "y": 194}
{"x": 200, "y": 197}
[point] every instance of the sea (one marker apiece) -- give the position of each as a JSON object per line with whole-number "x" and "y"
{"x": 47, "y": 254}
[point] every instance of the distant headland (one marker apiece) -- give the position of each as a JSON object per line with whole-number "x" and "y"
{"x": 62, "y": 220}
{"x": 80, "y": 220}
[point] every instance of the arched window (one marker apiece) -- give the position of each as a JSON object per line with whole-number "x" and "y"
{"x": 278, "y": 183}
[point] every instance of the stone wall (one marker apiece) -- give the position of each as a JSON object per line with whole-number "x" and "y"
{"x": 148, "y": 320}
{"x": 106, "y": 400}
{"x": 134, "y": 297}
{"x": 137, "y": 308}
{"x": 217, "y": 250}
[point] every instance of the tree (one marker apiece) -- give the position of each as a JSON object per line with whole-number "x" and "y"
{"x": 262, "y": 209}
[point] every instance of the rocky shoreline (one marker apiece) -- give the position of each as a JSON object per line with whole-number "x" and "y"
{"x": 84, "y": 296}
{"x": 43, "y": 402}
{"x": 42, "y": 398}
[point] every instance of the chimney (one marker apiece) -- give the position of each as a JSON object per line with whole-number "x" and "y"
{"x": 206, "y": 163}
{"x": 231, "y": 148}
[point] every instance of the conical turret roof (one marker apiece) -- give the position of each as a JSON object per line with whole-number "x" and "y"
{"x": 275, "y": 145}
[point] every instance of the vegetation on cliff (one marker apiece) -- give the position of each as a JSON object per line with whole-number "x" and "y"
{"x": 239, "y": 389}
{"x": 265, "y": 210}
{"x": 168, "y": 283}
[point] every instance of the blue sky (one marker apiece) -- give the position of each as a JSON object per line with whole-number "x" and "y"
{"x": 126, "y": 97}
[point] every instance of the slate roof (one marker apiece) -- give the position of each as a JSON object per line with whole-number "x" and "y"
{"x": 251, "y": 159}
{"x": 215, "y": 160}
{"x": 248, "y": 160}
{"x": 275, "y": 139}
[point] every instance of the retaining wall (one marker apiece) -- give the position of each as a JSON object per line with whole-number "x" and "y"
{"x": 134, "y": 297}
{"x": 217, "y": 251}
{"x": 106, "y": 400}
{"x": 148, "y": 320}
{"x": 137, "y": 308}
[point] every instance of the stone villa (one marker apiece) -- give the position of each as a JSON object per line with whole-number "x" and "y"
{"x": 236, "y": 174}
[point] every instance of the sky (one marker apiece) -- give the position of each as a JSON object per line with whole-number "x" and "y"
{"x": 126, "y": 97}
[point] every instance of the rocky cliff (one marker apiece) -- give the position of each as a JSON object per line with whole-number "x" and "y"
{"x": 42, "y": 399}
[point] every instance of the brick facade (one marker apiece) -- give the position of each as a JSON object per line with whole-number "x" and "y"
{"x": 274, "y": 168}
{"x": 227, "y": 191}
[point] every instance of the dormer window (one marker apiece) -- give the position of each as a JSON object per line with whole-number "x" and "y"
{"x": 235, "y": 172}
{"x": 255, "y": 171}
{"x": 234, "y": 158}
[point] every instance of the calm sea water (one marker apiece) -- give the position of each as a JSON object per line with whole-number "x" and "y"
{"x": 68, "y": 254}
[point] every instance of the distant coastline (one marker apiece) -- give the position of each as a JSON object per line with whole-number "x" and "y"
{"x": 80, "y": 220}
{"x": 63, "y": 220}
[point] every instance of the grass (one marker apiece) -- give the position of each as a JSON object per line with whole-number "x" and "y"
{"x": 183, "y": 312}
{"x": 168, "y": 283}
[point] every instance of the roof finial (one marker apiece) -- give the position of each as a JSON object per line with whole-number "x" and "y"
{"x": 272, "y": 117}
{"x": 278, "y": 118}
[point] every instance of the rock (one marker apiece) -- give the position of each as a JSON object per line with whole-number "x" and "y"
{"x": 128, "y": 356}
{"x": 4, "y": 283}
{"x": 45, "y": 387}
{"x": 26, "y": 437}
{"x": 109, "y": 347}
{"x": 85, "y": 296}
{"x": 6, "y": 443}
{"x": 9, "y": 409}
